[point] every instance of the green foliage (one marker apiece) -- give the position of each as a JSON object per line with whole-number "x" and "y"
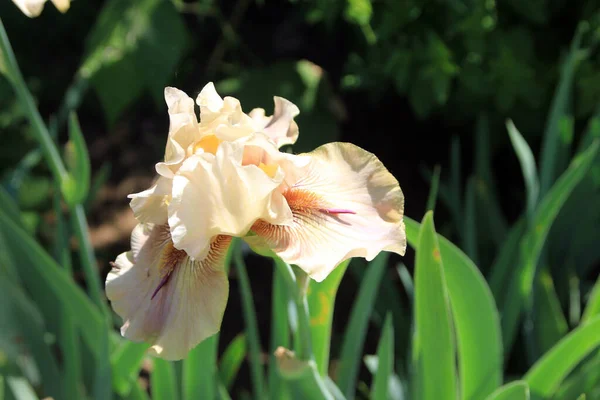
{"x": 136, "y": 45}
{"x": 433, "y": 348}
{"x": 450, "y": 334}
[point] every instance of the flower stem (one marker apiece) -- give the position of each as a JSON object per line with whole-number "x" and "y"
{"x": 297, "y": 285}
{"x": 256, "y": 372}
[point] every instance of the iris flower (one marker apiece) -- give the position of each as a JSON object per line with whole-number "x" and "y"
{"x": 222, "y": 177}
{"x": 33, "y": 8}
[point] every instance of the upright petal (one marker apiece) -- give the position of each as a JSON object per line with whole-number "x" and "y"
{"x": 210, "y": 103}
{"x": 150, "y": 206}
{"x": 164, "y": 297}
{"x": 183, "y": 130}
{"x": 345, "y": 204}
{"x": 215, "y": 195}
{"x": 280, "y": 127}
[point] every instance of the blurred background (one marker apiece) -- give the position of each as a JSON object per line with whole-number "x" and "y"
{"x": 426, "y": 85}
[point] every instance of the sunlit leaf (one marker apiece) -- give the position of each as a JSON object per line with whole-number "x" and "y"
{"x": 546, "y": 375}
{"x": 475, "y": 318}
{"x": 433, "y": 348}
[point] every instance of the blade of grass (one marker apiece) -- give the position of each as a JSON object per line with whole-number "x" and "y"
{"x": 520, "y": 287}
{"x": 470, "y": 225}
{"x": 551, "y": 143}
{"x": 503, "y": 267}
{"x": 433, "y": 188}
{"x": 163, "y": 380}
{"x": 232, "y": 359}
{"x": 137, "y": 393}
{"x": 584, "y": 379}
{"x": 475, "y": 318}
{"x": 78, "y": 161}
{"x": 592, "y": 308}
{"x": 256, "y": 369}
{"x": 321, "y": 305}
{"x": 126, "y": 362}
{"x": 550, "y": 324}
{"x": 68, "y": 337}
{"x": 517, "y": 390}
{"x": 200, "y": 370}
{"x": 356, "y": 330}
{"x": 485, "y": 183}
{"x": 385, "y": 356}
{"x": 528, "y": 167}
{"x": 37, "y": 268}
{"x": 20, "y": 388}
{"x": 19, "y": 315}
{"x": 433, "y": 345}
{"x": 546, "y": 375}
{"x": 396, "y": 388}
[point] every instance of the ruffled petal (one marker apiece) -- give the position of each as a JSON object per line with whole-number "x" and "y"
{"x": 165, "y": 298}
{"x": 215, "y": 195}
{"x": 280, "y": 127}
{"x": 183, "y": 130}
{"x": 31, "y": 8}
{"x": 210, "y": 103}
{"x": 345, "y": 204}
{"x": 150, "y": 206}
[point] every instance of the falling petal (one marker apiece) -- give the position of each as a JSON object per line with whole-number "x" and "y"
{"x": 164, "y": 297}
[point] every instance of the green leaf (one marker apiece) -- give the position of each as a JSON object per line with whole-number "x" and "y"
{"x": 475, "y": 318}
{"x": 517, "y": 390}
{"x": 505, "y": 263}
{"x": 528, "y": 167}
{"x": 354, "y": 337}
{"x": 493, "y": 223}
{"x": 470, "y": 236}
{"x": 433, "y": 188}
{"x": 552, "y": 150}
{"x": 433, "y": 343}
{"x": 126, "y": 362}
{"x": 546, "y": 375}
{"x": 385, "y": 356}
{"x": 550, "y": 324}
{"x": 136, "y": 45}
{"x": 163, "y": 380}
{"x": 396, "y": 388}
{"x": 520, "y": 286}
{"x": 584, "y": 379}
{"x": 75, "y": 187}
{"x": 249, "y": 312}
{"x": 200, "y": 370}
{"x": 137, "y": 393}
{"x": 321, "y": 305}
{"x": 21, "y": 389}
{"x": 20, "y": 321}
{"x": 40, "y": 274}
{"x": 232, "y": 359}
{"x": 592, "y": 308}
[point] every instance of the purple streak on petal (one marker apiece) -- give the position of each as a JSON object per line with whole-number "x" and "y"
{"x": 162, "y": 283}
{"x": 337, "y": 211}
